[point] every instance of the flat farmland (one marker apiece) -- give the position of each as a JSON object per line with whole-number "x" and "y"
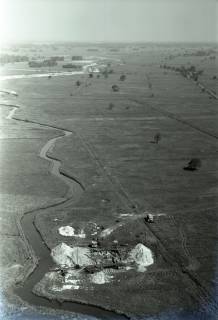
{"x": 111, "y": 153}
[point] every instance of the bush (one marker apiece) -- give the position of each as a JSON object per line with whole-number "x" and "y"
{"x": 122, "y": 77}
{"x": 77, "y": 58}
{"x": 71, "y": 66}
{"x": 115, "y": 88}
{"x": 111, "y": 106}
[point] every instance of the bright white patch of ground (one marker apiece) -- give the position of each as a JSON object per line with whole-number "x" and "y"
{"x": 141, "y": 256}
{"x": 154, "y": 214}
{"x": 101, "y": 277}
{"x": 65, "y": 287}
{"x": 68, "y": 231}
{"x": 126, "y": 215}
{"x": 109, "y": 230}
{"x": 71, "y": 281}
{"x": 70, "y": 287}
{"x": 64, "y": 255}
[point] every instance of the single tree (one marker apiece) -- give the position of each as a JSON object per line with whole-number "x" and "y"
{"x": 115, "y": 88}
{"x": 122, "y": 77}
{"x": 157, "y": 138}
{"x": 111, "y": 106}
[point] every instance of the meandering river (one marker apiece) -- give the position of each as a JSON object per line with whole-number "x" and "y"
{"x": 33, "y": 237}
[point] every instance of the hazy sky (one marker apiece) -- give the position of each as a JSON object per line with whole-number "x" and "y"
{"x": 108, "y": 20}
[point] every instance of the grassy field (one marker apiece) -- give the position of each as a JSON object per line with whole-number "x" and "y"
{"x": 112, "y": 154}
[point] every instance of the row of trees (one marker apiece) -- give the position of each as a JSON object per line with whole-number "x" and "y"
{"x": 72, "y": 66}
{"x": 187, "y": 72}
{"x": 44, "y": 63}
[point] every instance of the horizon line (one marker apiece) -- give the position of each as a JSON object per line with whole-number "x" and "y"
{"x": 110, "y": 42}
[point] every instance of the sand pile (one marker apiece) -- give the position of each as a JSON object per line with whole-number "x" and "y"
{"x": 73, "y": 278}
{"x": 68, "y": 231}
{"x": 64, "y": 255}
{"x": 141, "y": 256}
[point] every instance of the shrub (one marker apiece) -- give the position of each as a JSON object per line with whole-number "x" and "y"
{"x": 115, "y": 88}
{"x": 111, "y": 106}
{"x": 122, "y": 77}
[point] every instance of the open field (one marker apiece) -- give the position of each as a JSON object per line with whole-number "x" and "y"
{"x": 119, "y": 175}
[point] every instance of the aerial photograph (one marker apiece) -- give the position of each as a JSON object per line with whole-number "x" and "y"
{"x": 108, "y": 160}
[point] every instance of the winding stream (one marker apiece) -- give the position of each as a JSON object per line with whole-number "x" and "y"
{"x": 55, "y": 164}
{"x": 41, "y": 251}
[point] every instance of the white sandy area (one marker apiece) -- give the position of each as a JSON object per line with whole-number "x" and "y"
{"x": 141, "y": 256}
{"x": 101, "y": 277}
{"x": 109, "y": 230}
{"x": 68, "y": 231}
{"x": 64, "y": 255}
